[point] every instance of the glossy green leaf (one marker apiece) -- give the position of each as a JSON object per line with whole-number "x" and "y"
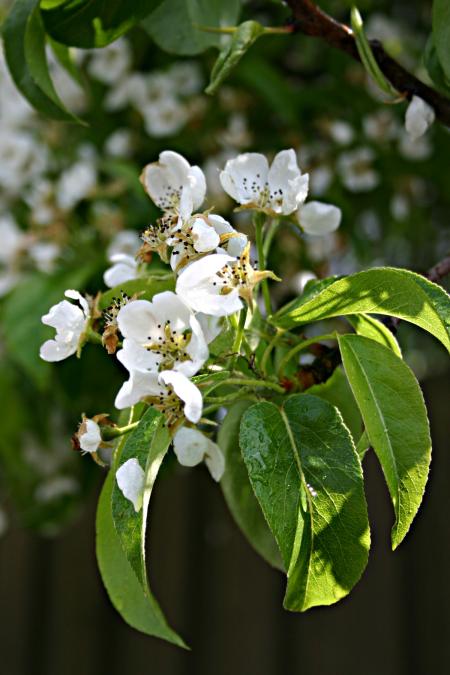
{"x": 21, "y": 316}
{"x": 175, "y": 25}
{"x": 243, "y": 38}
{"x": 238, "y": 491}
{"x": 441, "y": 33}
{"x": 146, "y": 288}
{"x": 434, "y": 67}
{"x": 138, "y": 608}
{"x": 336, "y": 390}
{"x": 148, "y": 443}
{"x": 363, "y": 445}
{"x": 308, "y": 479}
{"x": 395, "y": 420}
{"x": 36, "y": 59}
{"x": 25, "y": 56}
{"x": 92, "y": 23}
{"x": 374, "y": 329}
{"x": 383, "y": 290}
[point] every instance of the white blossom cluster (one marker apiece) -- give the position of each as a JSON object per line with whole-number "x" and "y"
{"x": 166, "y": 99}
{"x": 164, "y": 342}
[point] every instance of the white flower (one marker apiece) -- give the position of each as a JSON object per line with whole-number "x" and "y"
{"x": 12, "y": 239}
{"x": 124, "y": 268}
{"x": 165, "y": 118}
{"x": 341, "y": 132}
{"x": 174, "y": 185}
{"x": 185, "y": 77}
{"x": 204, "y": 234}
{"x": 201, "y": 286}
{"x": 70, "y": 322}
{"x": 161, "y": 335}
{"x": 419, "y": 117}
{"x": 130, "y": 477}
{"x": 169, "y": 392}
{"x": 75, "y": 184}
{"x": 44, "y": 255}
{"x": 22, "y": 159}
{"x": 126, "y": 242}
{"x": 279, "y": 189}
{"x": 111, "y": 63}
{"x": 40, "y": 199}
{"x": 119, "y": 143}
{"x": 89, "y": 435}
{"x": 417, "y": 149}
{"x": 320, "y": 179}
{"x": 318, "y": 218}
{"x": 55, "y": 488}
{"x": 215, "y": 284}
{"x": 192, "y": 447}
{"x": 356, "y": 171}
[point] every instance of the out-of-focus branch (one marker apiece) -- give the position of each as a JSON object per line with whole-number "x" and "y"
{"x": 311, "y": 20}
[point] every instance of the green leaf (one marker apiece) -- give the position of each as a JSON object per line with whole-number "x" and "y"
{"x": 175, "y": 24}
{"x": 434, "y": 67}
{"x": 366, "y": 55}
{"x": 243, "y": 38}
{"x": 138, "y": 608}
{"x": 372, "y": 328}
{"x": 148, "y": 444}
{"x": 24, "y": 47}
{"x": 336, "y": 390}
{"x": 395, "y": 420}
{"x": 92, "y": 23}
{"x": 308, "y": 479}
{"x": 363, "y": 445}
{"x": 36, "y": 59}
{"x": 238, "y": 491}
{"x": 23, "y": 309}
{"x": 64, "y": 56}
{"x": 441, "y": 33}
{"x": 383, "y": 290}
{"x": 146, "y": 288}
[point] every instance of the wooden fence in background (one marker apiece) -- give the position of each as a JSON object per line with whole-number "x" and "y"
{"x": 225, "y": 601}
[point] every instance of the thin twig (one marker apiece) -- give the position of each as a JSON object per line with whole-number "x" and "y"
{"x": 311, "y": 20}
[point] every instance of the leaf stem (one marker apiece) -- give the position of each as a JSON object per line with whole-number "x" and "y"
{"x": 259, "y": 229}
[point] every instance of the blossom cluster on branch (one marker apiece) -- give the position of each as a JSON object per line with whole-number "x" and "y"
{"x": 163, "y": 343}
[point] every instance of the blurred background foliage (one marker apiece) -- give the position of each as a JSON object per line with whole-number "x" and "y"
{"x": 68, "y": 190}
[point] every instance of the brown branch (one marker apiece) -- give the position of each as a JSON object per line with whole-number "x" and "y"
{"x": 311, "y": 20}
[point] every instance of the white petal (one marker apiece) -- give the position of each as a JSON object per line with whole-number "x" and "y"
{"x": 130, "y": 478}
{"x": 75, "y": 295}
{"x": 288, "y": 187}
{"x": 245, "y": 177}
{"x": 135, "y": 357}
{"x": 53, "y": 351}
{"x": 419, "y": 117}
{"x": 195, "y": 286}
{"x": 211, "y": 325}
{"x": 205, "y": 237}
{"x": 186, "y": 391}
{"x": 318, "y": 218}
{"x": 64, "y": 315}
{"x": 139, "y": 385}
{"x": 215, "y": 460}
{"x": 91, "y": 439}
{"x": 234, "y": 245}
{"x": 136, "y": 319}
{"x": 124, "y": 269}
{"x": 197, "y": 184}
{"x": 190, "y": 446}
